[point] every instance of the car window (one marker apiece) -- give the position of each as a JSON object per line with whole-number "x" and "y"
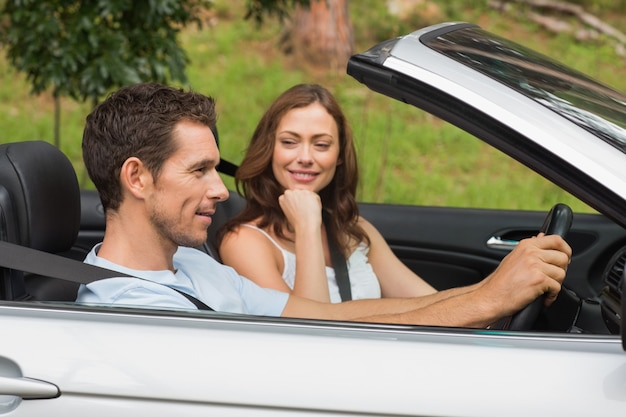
{"x": 423, "y": 160}
{"x": 593, "y": 106}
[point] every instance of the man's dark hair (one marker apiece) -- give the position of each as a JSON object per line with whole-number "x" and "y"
{"x": 138, "y": 121}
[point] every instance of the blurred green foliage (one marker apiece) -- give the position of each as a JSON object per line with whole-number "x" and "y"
{"x": 83, "y": 48}
{"x": 406, "y": 156}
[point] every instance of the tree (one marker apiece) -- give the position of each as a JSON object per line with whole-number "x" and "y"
{"x": 259, "y": 9}
{"x": 319, "y": 32}
{"x": 322, "y": 35}
{"x": 84, "y": 48}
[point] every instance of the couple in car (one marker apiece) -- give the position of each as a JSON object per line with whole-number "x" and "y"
{"x": 151, "y": 152}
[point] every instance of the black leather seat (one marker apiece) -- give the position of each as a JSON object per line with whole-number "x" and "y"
{"x": 226, "y": 209}
{"x": 224, "y": 212}
{"x": 39, "y": 208}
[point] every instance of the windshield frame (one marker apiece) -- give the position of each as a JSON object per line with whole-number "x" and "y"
{"x": 586, "y": 102}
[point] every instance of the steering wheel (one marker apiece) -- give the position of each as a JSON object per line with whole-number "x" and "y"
{"x": 558, "y": 222}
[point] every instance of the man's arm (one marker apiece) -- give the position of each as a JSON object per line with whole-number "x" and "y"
{"x": 466, "y": 310}
{"x": 536, "y": 266}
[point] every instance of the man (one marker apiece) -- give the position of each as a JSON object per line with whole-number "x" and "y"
{"x": 151, "y": 153}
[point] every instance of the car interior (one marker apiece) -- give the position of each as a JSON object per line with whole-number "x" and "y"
{"x": 43, "y": 208}
{"x": 39, "y": 209}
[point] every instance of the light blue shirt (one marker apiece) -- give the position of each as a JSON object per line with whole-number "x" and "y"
{"x": 197, "y": 274}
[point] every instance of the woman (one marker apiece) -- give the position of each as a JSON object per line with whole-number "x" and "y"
{"x": 301, "y": 159}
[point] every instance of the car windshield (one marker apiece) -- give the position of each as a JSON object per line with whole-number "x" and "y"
{"x": 593, "y": 106}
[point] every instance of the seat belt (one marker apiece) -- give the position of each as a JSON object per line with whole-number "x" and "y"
{"x": 339, "y": 265}
{"x": 23, "y": 258}
{"x": 227, "y": 168}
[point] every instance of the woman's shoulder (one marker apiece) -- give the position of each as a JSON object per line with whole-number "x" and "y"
{"x": 365, "y": 224}
{"x": 370, "y": 230}
{"x": 247, "y": 233}
{"x": 244, "y": 227}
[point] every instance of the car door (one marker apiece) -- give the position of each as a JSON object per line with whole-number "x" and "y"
{"x": 450, "y": 247}
{"x": 60, "y": 360}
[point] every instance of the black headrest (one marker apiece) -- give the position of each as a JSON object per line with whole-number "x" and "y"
{"x": 225, "y": 211}
{"x": 44, "y": 192}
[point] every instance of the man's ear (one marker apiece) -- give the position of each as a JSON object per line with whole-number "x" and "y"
{"x": 135, "y": 177}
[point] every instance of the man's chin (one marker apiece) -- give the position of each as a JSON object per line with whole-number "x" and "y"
{"x": 192, "y": 242}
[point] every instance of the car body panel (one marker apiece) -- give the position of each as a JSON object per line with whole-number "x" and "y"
{"x": 117, "y": 362}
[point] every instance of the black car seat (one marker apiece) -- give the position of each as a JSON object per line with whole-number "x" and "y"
{"x": 39, "y": 208}
{"x": 224, "y": 212}
{"x": 226, "y": 209}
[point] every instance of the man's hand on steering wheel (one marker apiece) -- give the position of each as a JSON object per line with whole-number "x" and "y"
{"x": 531, "y": 275}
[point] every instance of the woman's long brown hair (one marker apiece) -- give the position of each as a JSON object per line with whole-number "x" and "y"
{"x": 255, "y": 179}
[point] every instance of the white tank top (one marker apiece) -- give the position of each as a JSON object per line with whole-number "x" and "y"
{"x": 363, "y": 280}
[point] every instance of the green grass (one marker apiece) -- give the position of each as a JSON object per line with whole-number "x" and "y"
{"x": 406, "y": 156}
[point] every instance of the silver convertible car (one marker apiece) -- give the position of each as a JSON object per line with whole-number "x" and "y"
{"x": 58, "y": 358}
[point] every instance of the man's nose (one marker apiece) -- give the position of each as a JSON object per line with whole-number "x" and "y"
{"x": 217, "y": 189}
